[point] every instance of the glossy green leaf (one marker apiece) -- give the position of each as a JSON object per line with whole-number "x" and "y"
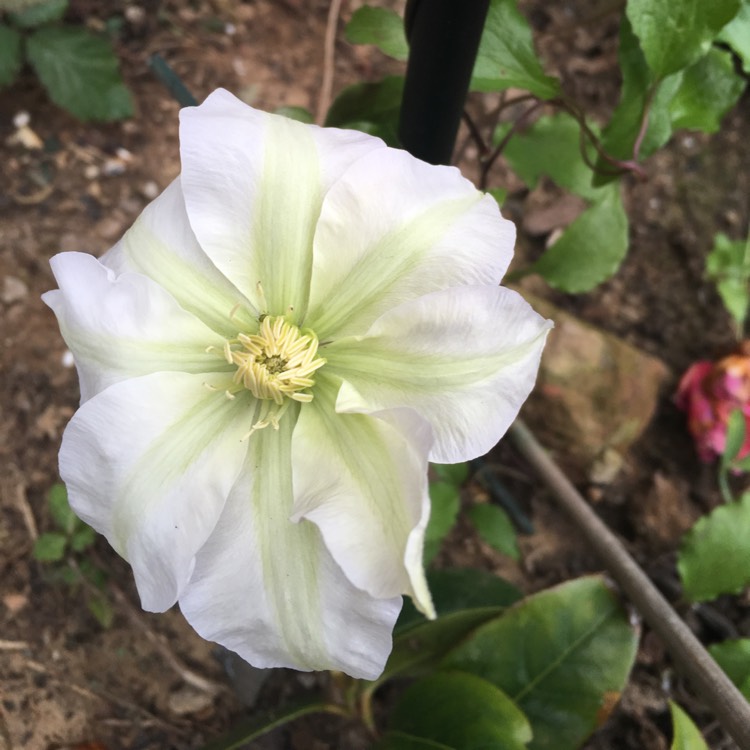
{"x": 591, "y": 249}
{"x": 506, "y": 56}
{"x": 10, "y": 54}
{"x": 561, "y": 655}
{"x": 686, "y": 736}
{"x": 80, "y": 72}
{"x": 455, "y": 589}
{"x": 734, "y": 658}
{"x": 445, "y": 501}
{"x": 737, "y": 35}
{"x": 296, "y": 113}
{"x": 61, "y": 512}
{"x": 714, "y": 557}
{"x": 728, "y": 265}
{"x": 40, "y": 13}
{"x": 708, "y": 90}
{"x": 496, "y": 528}
{"x": 551, "y": 147}
{"x": 458, "y": 711}
{"x": 370, "y": 107}
{"x": 50, "y": 547}
{"x": 676, "y": 33}
{"x": 381, "y": 27}
{"x": 455, "y": 474}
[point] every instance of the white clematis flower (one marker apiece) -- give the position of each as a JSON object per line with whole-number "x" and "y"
{"x": 268, "y": 359}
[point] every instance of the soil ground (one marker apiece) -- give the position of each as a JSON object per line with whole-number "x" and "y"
{"x": 149, "y": 682}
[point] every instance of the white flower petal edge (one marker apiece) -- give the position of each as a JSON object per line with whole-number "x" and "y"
{"x": 254, "y": 183}
{"x": 123, "y": 326}
{"x": 393, "y": 228}
{"x": 162, "y": 246}
{"x": 370, "y": 504}
{"x": 269, "y": 589}
{"x": 149, "y": 463}
{"x": 464, "y": 359}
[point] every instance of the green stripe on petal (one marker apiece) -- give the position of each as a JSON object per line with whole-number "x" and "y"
{"x": 464, "y": 359}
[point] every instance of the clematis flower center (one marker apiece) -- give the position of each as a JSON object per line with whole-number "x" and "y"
{"x": 277, "y": 363}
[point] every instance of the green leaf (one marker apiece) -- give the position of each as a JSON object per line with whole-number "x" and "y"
{"x": 50, "y": 547}
{"x": 445, "y": 501}
{"x": 709, "y": 89}
{"x": 10, "y": 55}
{"x": 499, "y": 194}
{"x": 686, "y": 735}
{"x": 561, "y": 655}
{"x": 714, "y": 557}
{"x": 102, "y": 610}
{"x": 82, "y": 539}
{"x": 459, "y": 711}
{"x": 381, "y": 27}
{"x": 455, "y": 589}
{"x": 676, "y": 33}
{"x": 734, "y": 658}
{"x": 735, "y": 436}
{"x": 80, "y": 72}
{"x": 370, "y": 107}
{"x": 496, "y": 528}
{"x": 551, "y": 147}
{"x": 40, "y": 13}
{"x": 591, "y": 249}
{"x": 62, "y": 514}
{"x": 737, "y": 35}
{"x": 296, "y": 113}
{"x": 455, "y": 474}
{"x": 728, "y": 265}
{"x": 506, "y": 56}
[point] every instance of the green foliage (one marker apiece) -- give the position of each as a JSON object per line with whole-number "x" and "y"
{"x": 61, "y": 512}
{"x": 370, "y": 107}
{"x": 728, "y": 265}
{"x": 676, "y": 33}
{"x": 737, "y": 35}
{"x": 496, "y": 528}
{"x": 455, "y": 474}
{"x": 686, "y": 735}
{"x": 591, "y": 249}
{"x": 50, "y": 547}
{"x": 296, "y": 113}
{"x": 445, "y": 501}
{"x": 10, "y": 54}
{"x": 80, "y": 72}
{"x": 39, "y": 14}
{"x": 708, "y": 90}
{"x": 714, "y": 557}
{"x": 559, "y": 655}
{"x": 734, "y": 658}
{"x": 458, "y": 711}
{"x": 506, "y": 56}
{"x": 381, "y": 27}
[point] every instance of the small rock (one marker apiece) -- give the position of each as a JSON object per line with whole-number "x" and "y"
{"x": 91, "y": 172}
{"x": 14, "y": 290}
{"x": 188, "y": 700}
{"x": 21, "y": 119}
{"x": 67, "y": 360}
{"x": 595, "y": 393}
{"x": 113, "y": 167}
{"x": 135, "y": 14}
{"x": 149, "y": 190}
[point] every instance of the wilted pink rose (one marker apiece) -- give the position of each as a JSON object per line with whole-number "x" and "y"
{"x": 709, "y": 392}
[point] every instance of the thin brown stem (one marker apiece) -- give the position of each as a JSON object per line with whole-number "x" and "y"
{"x": 715, "y": 688}
{"x": 326, "y": 86}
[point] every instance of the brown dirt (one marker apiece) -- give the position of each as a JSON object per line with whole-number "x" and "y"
{"x": 64, "y": 680}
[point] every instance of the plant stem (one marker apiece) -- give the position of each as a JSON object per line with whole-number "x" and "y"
{"x": 712, "y": 685}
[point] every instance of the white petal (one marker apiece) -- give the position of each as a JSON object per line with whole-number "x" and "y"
{"x": 120, "y": 327}
{"x": 254, "y": 184}
{"x": 162, "y": 246}
{"x": 363, "y": 481}
{"x": 464, "y": 359}
{"x": 149, "y": 463}
{"x": 393, "y": 228}
{"x": 268, "y": 589}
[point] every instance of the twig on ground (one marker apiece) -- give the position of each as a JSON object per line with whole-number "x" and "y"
{"x": 715, "y": 688}
{"x": 329, "y": 58}
{"x": 13, "y": 645}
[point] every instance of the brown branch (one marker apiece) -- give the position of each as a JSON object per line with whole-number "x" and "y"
{"x": 714, "y": 687}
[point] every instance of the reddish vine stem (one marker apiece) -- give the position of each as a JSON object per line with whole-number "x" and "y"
{"x": 712, "y": 685}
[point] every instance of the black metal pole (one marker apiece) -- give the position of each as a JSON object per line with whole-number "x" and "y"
{"x": 443, "y": 42}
